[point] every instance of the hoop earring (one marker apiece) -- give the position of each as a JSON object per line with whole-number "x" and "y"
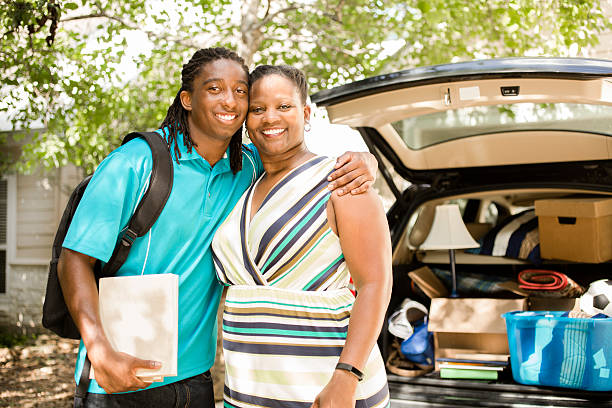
{"x": 307, "y": 126}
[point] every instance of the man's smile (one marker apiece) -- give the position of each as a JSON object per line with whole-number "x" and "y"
{"x": 226, "y": 116}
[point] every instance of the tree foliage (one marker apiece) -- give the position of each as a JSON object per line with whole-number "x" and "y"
{"x": 63, "y": 65}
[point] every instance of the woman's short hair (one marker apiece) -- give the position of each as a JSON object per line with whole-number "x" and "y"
{"x": 291, "y": 73}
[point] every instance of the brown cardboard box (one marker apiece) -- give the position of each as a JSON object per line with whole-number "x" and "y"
{"x": 577, "y": 230}
{"x": 471, "y": 326}
{"x": 428, "y": 282}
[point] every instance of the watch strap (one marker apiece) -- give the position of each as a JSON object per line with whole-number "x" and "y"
{"x": 351, "y": 369}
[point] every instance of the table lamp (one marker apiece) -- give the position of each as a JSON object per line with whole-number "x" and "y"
{"x": 449, "y": 232}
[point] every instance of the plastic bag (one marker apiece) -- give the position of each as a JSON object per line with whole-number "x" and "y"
{"x": 419, "y": 348}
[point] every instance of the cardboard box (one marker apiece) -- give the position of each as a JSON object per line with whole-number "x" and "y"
{"x": 428, "y": 282}
{"x": 471, "y": 326}
{"x": 577, "y": 230}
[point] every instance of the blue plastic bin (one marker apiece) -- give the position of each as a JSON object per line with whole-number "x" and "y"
{"x": 549, "y": 349}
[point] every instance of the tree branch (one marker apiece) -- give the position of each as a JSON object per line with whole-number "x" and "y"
{"x": 151, "y": 34}
{"x": 268, "y": 17}
{"x": 267, "y": 10}
{"x": 83, "y": 17}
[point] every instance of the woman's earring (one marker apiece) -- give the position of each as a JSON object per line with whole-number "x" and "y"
{"x": 307, "y": 126}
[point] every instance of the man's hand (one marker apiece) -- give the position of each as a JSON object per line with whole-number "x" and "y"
{"x": 356, "y": 172}
{"x": 116, "y": 372}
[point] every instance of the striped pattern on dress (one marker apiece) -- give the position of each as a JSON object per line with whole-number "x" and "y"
{"x": 288, "y": 304}
{"x": 281, "y": 347}
{"x": 288, "y": 239}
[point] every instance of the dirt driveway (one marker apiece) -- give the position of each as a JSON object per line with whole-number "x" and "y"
{"x": 40, "y": 373}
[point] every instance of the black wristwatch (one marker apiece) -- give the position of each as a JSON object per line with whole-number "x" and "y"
{"x": 350, "y": 369}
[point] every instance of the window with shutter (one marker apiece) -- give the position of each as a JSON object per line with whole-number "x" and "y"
{"x": 3, "y": 231}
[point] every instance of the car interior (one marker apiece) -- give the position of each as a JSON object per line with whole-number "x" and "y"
{"x": 482, "y": 212}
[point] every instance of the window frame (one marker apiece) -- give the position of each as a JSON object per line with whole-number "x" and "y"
{"x": 429, "y": 129}
{"x": 11, "y": 223}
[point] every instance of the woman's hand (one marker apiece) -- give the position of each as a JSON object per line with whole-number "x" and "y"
{"x": 339, "y": 391}
{"x": 355, "y": 173}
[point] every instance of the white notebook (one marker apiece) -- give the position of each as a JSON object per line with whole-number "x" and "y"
{"x": 140, "y": 317}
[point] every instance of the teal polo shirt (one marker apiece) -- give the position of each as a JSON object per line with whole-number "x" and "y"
{"x": 179, "y": 242}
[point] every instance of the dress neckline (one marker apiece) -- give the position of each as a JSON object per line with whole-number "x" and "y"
{"x": 291, "y": 174}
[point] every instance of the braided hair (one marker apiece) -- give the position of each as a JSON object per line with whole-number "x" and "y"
{"x": 176, "y": 120}
{"x": 287, "y": 71}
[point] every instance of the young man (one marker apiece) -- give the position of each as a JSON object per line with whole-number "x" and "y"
{"x": 211, "y": 171}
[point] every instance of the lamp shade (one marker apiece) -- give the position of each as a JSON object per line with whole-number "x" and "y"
{"x": 448, "y": 230}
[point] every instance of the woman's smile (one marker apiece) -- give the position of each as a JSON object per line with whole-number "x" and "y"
{"x": 273, "y": 131}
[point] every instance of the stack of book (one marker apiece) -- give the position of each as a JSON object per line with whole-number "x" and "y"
{"x": 475, "y": 369}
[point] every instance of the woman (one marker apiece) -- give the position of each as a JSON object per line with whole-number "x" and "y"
{"x": 294, "y": 335}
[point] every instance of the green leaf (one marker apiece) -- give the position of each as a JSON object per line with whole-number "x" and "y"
{"x": 77, "y": 87}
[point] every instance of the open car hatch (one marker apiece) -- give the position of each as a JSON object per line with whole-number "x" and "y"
{"x": 504, "y": 112}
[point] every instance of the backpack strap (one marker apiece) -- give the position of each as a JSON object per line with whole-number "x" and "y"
{"x": 152, "y": 202}
{"x": 80, "y": 392}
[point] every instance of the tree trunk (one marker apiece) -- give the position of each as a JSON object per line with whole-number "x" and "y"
{"x": 251, "y": 34}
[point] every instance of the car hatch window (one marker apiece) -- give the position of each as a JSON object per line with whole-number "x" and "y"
{"x": 419, "y": 132}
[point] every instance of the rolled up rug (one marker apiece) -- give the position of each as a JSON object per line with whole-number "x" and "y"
{"x": 548, "y": 283}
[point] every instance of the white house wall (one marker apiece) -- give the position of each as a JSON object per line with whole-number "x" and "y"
{"x": 36, "y": 217}
{"x": 36, "y": 203}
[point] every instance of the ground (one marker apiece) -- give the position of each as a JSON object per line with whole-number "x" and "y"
{"x": 39, "y": 373}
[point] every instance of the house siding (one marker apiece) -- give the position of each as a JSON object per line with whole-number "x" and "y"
{"x": 36, "y": 216}
{"x": 36, "y": 203}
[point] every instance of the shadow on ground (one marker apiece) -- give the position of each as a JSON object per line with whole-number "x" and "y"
{"x": 40, "y": 373}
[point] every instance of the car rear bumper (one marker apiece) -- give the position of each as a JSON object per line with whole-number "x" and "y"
{"x": 431, "y": 391}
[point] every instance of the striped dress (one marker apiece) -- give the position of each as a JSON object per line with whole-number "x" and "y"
{"x": 288, "y": 304}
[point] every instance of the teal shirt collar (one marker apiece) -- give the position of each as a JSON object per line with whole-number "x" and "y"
{"x": 222, "y": 165}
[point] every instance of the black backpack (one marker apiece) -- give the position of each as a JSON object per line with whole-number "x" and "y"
{"x": 55, "y": 312}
